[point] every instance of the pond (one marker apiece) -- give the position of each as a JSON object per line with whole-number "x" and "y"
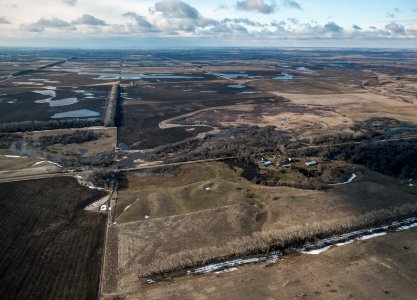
{"x": 81, "y": 113}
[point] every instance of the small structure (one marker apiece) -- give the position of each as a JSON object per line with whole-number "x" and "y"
{"x": 311, "y": 163}
{"x": 267, "y": 164}
{"x": 103, "y": 207}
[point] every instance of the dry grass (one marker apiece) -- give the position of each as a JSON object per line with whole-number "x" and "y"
{"x": 177, "y": 191}
{"x": 106, "y": 143}
{"x": 261, "y": 242}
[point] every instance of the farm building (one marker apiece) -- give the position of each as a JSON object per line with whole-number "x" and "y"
{"x": 311, "y": 163}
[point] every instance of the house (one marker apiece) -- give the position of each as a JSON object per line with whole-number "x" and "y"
{"x": 311, "y": 163}
{"x": 267, "y": 164}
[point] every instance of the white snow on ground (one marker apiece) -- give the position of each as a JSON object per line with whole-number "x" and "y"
{"x": 38, "y": 163}
{"x": 12, "y": 156}
{"x": 316, "y": 251}
{"x": 406, "y": 227}
{"x": 346, "y": 182}
{"x": 360, "y": 235}
{"x": 226, "y": 265}
{"x": 54, "y": 163}
{"x": 345, "y": 243}
{"x": 127, "y": 207}
{"x": 326, "y": 244}
{"x": 226, "y": 271}
{"x": 371, "y": 236}
{"x": 93, "y": 187}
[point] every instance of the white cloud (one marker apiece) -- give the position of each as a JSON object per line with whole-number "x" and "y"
{"x": 4, "y": 20}
{"x": 256, "y": 5}
{"x": 395, "y": 28}
{"x": 44, "y": 23}
{"x": 292, "y": 4}
{"x": 70, "y": 2}
{"x": 87, "y": 19}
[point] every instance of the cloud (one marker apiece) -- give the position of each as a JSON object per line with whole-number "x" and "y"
{"x": 256, "y": 5}
{"x": 172, "y": 16}
{"x": 292, "y": 4}
{"x": 70, "y": 2}
{"x": 43, "y": 24}
{"x": 395, "y": 28}
{"x": 356, "y": 27}
{"x": 333, "y": 27}
{"x": 89, "y": 20}
{"x": 141, "y": 23}
{"x": 3, "y": 20}
{"x": 293, "y": 21}
{"x": 393, "y": 13}
{"x": 177, "y": 9}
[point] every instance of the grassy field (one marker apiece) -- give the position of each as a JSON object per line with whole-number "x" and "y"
{"x": 51, "y": 248}
{"x": 106, "y": 142}
{"x": 380, "y": 268}
{"x": 25, "y": 166}
{"x": 189, "y": 224}
{"x": 178, "y": 191}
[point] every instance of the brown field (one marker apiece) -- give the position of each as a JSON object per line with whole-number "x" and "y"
{"x": 285, "y": 116}
{"x": 380, "y": 268}
{"x": 25, "y": 166}
{"x": 180, "y": 211}
{"x": 51, "y": 247}
{"x": 106, "y": 143}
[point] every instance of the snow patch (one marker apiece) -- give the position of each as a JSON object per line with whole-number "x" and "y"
{"x": 350, "y": 180}
{"x": 316, "y": 251}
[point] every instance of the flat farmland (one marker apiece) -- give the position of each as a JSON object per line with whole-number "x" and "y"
{"x": 42, "y": 103}
{"x": 144, "y": 106}
{"x": 51, "y": 247}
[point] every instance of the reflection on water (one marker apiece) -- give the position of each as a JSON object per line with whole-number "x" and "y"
{"x": 114, "y": 76}
{"x": 284, "y": 76}
{"x": 236, "y": 86}
{"x": 81, "y": 113}
{"x": 236, "y": 75}
{"x": 63, "y": 102}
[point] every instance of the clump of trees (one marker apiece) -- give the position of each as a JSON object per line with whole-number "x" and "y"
{"x": 48, "y": 125}
{"x": 244, "y": 142}
{"x": 105, "y": 178}
{"x": 76, "y": 137}
{"x": 7, "y": 139}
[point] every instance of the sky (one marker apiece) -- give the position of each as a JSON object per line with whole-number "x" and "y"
{"x": 218, "y": 23}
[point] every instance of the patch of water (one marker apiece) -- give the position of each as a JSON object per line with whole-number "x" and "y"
{"x": 113, "y": 76}
{"x": 236, "y": 75}
{"x": 48, "y": 92}
{"x": 80, "y": 113}
{"x": 27, "y": 83}
{"x": 236, "y": 86}
{"x": 63, "y": 102}
{"x": 249, "y": 93}
{"x": 284, "y": 76}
